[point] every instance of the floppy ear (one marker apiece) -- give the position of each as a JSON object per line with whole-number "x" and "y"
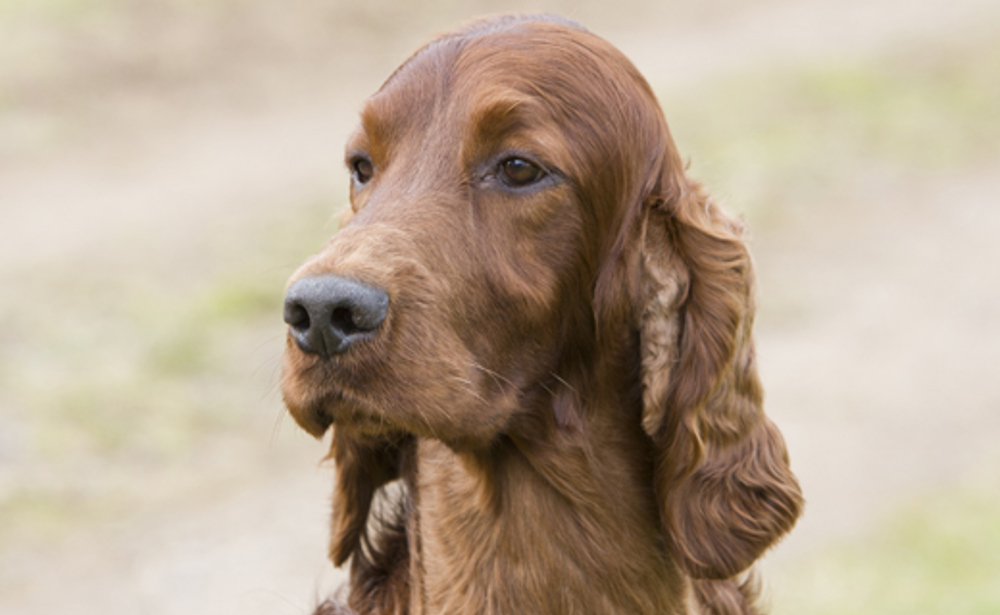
{"x": 362, "y": 466}
{"x": 723, "y": 479}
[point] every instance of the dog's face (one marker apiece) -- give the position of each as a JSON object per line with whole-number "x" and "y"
{"x": 487, "y": 187}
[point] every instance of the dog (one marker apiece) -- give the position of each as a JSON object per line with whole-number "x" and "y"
{"x": 533, "y": 337}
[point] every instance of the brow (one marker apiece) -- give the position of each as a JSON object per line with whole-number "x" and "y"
{"x": 499, "y": 117}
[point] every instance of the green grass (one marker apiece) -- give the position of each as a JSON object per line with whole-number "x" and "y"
{"x": 118, "y": 377}
{"x": 940, "y": 556}
{"x": 774, "y": 138}
{"x": 44, "y": 512}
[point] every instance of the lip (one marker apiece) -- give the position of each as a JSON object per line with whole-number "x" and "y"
{"x": 313, "y": 419}
{"x": 317, "y": 399}
{"x": 317, "y": 417}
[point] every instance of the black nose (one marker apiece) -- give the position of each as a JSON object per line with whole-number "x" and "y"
{"x": 327, "y": 314}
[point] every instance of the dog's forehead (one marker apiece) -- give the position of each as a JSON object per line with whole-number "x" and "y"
{"x": 507, "y": 62}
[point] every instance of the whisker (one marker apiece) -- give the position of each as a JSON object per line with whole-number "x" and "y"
{"x": 566, "y": 384}
{"x": 493, "y": 374}
{"x": 273, "y": 381}
{"x": 276, "y": 428}
{"x": 426, "y": 422}
{"x": 472, "y": 390}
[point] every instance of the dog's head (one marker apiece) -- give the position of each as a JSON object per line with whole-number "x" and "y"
{"x": 487, "y": 183}
{"x": 516, "y": 199}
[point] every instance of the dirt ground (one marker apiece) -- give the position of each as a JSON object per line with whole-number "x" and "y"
{"x": 879, "y": 332}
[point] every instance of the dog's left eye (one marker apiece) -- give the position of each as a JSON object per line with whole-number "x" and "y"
{"x": 518, "y": 172}
{"x": 362, "y": 169}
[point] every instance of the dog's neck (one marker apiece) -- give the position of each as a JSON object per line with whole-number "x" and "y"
{"x": 538, "y": 521}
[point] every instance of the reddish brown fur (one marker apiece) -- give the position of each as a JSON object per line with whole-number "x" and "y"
{"x": 565, "y": 382}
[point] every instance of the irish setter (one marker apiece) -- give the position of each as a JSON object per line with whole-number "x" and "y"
{"x": 532, "y": 338}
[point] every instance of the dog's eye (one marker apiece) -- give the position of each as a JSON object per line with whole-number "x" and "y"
{"x": 362, "y": 169}
{"x": 518, "y": 172}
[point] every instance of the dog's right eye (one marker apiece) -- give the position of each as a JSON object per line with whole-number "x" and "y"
{"x": 518, "y": 172}
{"x": 362, "y": 169}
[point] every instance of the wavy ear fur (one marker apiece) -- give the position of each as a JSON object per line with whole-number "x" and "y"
{"x": 723, "y": 479}
{"x": 362, "y": 466}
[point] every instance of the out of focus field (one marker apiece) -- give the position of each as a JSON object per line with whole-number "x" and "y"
{"x": 165, "y": 165}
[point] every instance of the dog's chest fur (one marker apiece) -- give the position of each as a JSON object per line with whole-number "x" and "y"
{"x": 508, "y": 535}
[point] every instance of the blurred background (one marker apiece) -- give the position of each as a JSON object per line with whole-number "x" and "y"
{"x": 166, "y": 164}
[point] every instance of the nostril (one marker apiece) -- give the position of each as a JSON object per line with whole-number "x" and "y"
{"x": 342, "y": 320}
{"x": 362, "y": 312}
{"x": 296, "y": 316}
